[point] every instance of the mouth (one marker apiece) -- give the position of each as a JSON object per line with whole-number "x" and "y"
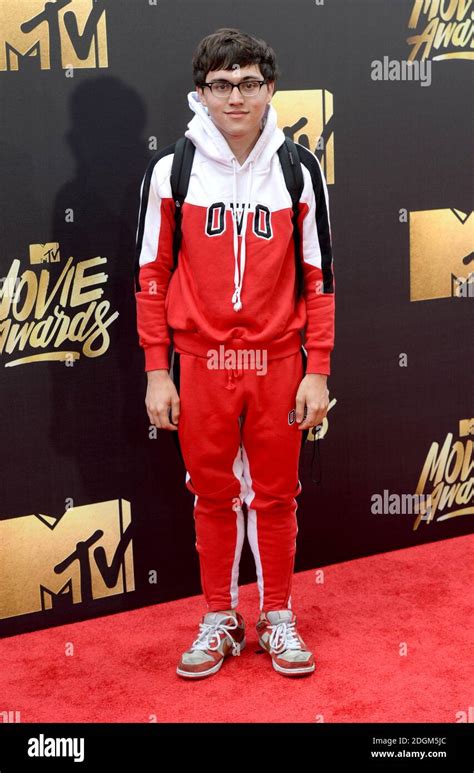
{"x": 237, "y": 112}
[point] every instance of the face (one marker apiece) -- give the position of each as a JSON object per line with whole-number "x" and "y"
{"x": 237, "y": 115}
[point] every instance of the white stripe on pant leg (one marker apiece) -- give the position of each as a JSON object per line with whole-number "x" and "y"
{"x": 253, "y": 529}
{"x": 252, "y": 524}
{"x": 186, "y": 478}
{"x": 237, "y": 469}
{"x": 297, "y": 530}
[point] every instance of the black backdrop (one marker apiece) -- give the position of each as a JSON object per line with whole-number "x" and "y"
{"x": 84, "y": 478}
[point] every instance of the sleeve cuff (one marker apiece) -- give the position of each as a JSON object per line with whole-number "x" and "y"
{"x": 157, "y": 357}
{"x": 319, "y": 361}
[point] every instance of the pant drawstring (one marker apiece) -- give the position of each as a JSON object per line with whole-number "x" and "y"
{"x": 233, "y": 373}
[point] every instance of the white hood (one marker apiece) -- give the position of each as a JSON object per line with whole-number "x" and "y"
{"x": 205, "y": 135}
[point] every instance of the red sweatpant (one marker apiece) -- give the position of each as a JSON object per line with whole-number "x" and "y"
{"x": 240, "y": 443}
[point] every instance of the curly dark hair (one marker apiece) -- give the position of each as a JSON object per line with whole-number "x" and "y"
{"x": 228, "y": 46}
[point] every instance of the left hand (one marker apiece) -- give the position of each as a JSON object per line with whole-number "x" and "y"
{"x": 313, "y": 393}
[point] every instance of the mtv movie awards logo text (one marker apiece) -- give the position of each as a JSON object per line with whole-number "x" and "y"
{"x": 447, "y": 476}
{"x": 60, "y": 313}
{"x": 444, "y": 29}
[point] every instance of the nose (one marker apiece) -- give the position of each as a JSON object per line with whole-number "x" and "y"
{"x": 233, "y": 96}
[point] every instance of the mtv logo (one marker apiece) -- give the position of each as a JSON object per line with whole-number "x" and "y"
{"x": 50, "y": 563}
{"x": 306, "y": 117}
{"x": 440, "y": 246}
{"x": 44, "y": 253}
{"x": 46, "y": 36}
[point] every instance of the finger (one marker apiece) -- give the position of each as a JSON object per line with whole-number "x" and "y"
{"x": 175, "y": 410}
{"x": 311, "y": 419}
{"x": 318, "y": 420}
{"x": 165, "y": 423}
{"x": 153, "y": 417}
{"x": 299, "y": 403}
{"x": 165, "y": 420}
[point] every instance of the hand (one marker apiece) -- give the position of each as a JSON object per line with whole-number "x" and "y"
{"x": 313, "y": 393}
{"x": 161, "y": 395}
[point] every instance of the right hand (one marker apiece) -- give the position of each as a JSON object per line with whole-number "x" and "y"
{"x": 161, "y": 396}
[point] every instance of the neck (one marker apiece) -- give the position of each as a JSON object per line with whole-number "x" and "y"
{"x": 242, "y": 146}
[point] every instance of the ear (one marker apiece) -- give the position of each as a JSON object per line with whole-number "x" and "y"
{"x": 200, "y": 92}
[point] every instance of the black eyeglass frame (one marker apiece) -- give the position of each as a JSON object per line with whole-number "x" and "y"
{"x": 223, "y": 80}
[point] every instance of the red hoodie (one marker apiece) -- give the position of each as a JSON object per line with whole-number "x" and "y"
{"x": 235, "y": 279}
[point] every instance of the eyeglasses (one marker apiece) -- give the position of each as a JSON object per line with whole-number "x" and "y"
{"x": 223, "y": 88}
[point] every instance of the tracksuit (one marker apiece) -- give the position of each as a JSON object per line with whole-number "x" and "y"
{"x": 226, "y": 325}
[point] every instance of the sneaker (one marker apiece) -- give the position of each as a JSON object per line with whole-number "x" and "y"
{"x": 221, "y": 634}
{"x": 277, "y": 635}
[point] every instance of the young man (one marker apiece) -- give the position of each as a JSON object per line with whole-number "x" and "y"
{"x": 232, "y": 296}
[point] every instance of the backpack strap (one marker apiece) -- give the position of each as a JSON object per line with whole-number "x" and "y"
{"x": 293, "y": 174}
{"x": 180, "y": 174}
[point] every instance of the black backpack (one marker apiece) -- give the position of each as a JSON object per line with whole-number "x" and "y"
{"x": 291, "y": 166}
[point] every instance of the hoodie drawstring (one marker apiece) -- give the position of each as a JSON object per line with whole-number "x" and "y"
{"x": 239, "y": 275}
{"x": 205, "y": 135}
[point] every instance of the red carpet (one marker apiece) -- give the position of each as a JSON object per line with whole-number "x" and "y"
{"x": 123, "y": 669}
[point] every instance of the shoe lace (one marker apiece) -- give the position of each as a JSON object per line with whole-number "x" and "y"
{"x": 284, "y": 637}
{"x": 215, "y": 631}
